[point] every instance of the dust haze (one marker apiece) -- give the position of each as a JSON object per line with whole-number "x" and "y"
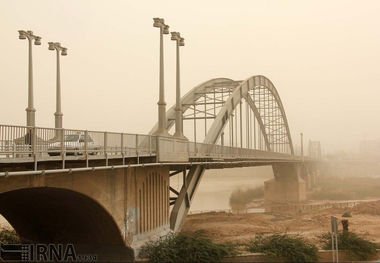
{"x": 322, "y": 56}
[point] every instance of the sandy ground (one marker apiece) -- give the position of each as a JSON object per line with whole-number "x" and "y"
{"x": 222, "y": 227}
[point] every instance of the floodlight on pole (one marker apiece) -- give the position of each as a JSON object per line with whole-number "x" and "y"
{"x": 164, "y": 30}
{"x": 180, "y": 41}
{"x": 30, "y": 110}
{"x": 58, "y": 113}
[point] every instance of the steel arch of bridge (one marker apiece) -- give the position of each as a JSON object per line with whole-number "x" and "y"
{"x": 221, "y": 99}
{"x": 225, "y": 95}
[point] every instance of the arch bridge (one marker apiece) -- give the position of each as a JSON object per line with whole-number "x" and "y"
{"x": 112, "y": 190}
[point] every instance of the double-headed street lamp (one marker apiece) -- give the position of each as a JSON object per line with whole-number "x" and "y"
{"x": 180, "y": 42}
{"x": 164, "y": 29}
{"x": 58, "y": 113}
{"x": 30, "y": 110}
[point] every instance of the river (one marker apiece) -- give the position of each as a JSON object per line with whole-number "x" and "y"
{"x": 217, "y": 185}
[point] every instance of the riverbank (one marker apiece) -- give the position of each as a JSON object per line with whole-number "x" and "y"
{"x": 224, "y": 227}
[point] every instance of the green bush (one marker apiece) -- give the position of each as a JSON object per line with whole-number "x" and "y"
{"x": 356, "y": 245}
{"x": 293, "y": 248}
{"x": 185, "y": 248}
{"x": 8, "y": 236}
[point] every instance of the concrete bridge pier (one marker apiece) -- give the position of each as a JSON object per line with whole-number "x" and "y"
{"x": 288, "y": 184}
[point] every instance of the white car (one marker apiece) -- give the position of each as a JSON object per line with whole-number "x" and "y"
{"x": 74, "y": 144}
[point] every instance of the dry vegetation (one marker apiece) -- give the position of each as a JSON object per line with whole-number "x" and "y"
{"x": 346, "y": 188}
{"x": 223, "y": 227}
{"x": 240, "y": 198}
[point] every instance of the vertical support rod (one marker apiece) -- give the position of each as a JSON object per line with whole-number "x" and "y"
{"x": 241, "y": 124}
{"x": 137, "y": 148}
{"x": 85, "y": 146}
{"x": 205, "y": 108}
{"x": 34, "y": 139}
{"x": 247, "y": 116}
{"x": 195, "y": 125}
{"x": 63, "y": 154}
{"x": 236, "y": 127}
{"x": 122, "y": 147}
{"x": 150, "y": 145}
{"x": 106, "y": 146}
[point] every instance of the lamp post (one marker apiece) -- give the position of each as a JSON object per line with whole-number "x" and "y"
{"x": 164, "y": 29}
{"x": 58, "y": 113}
{"x": 30, "y": 110}
{"x": 180, "y": 42}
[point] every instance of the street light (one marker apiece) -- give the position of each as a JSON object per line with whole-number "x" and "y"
{"x": 164, "y": 29}
{"x": 30, "y": 110}
{"x": 180, "y": 42}
{"x": 58, "y": 113}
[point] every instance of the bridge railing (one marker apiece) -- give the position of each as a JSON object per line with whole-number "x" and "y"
{"x": 40, "y": 143}
{"x": 203, "y": 150}
{"x": 28, "y": 142}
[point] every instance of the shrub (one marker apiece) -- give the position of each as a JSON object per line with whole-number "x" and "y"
{"x": 8, "y": 236}
{"x": 240, "y": 198}
{"x": 185, "y": 248}
{"x": 293, "y": 248}
{"x": 355, "y": 245}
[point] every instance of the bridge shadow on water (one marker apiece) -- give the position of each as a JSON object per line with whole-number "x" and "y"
{"x": 54, "y": 215}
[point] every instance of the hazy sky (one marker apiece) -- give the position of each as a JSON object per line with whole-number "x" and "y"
{"x": 323, "y": 57}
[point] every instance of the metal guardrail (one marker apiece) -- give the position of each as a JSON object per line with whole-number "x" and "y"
{"x": 32, "y": 142}
{"x": 37, "y": 143}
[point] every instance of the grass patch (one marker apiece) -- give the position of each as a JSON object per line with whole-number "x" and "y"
{"x": 359, "y": 247}
{"x": 9, "y": 236}
{"x": 186, "y": 248}
{"x": 293, "y": 248}
{"x": 239, "y": 199}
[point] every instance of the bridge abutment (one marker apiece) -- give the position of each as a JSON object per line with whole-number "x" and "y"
{"x": 113, "y": 209}
{"x": 287, "y": 186}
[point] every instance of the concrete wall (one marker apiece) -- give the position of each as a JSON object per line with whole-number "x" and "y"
{"x": 149, "y": 194}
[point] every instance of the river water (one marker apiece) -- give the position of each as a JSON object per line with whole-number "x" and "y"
{"x": 217, "y": 185}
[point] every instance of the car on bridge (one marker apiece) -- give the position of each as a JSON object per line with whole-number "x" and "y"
{"x": 74, "y": 144}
